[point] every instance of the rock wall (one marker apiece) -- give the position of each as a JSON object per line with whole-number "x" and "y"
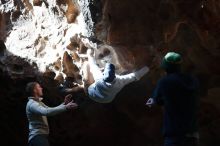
{"x": 149, "y": 29}
{"x": 41, "y": 40}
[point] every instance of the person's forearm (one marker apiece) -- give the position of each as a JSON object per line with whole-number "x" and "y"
{"x": 127, "y": 77}
{"x": 55, "y": 110}
{"x": 91, "y": 60}
{"x": 95, "y": 70}
{"x": 123, "y": 80}
{"x": 47, "y": 111}
{"x": 140, "y": 73}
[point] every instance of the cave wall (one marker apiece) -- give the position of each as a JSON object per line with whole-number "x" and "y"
{"x": 139, "y": 33}
{"x": 149, "y": 29}
{"x": 190, "y": 28}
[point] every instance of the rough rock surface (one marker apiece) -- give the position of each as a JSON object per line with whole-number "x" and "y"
{"x": 152, "y": 28}
{"x": 41, "y": 41}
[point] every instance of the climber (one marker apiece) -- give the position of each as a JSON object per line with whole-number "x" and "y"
{"x": 176, "y": 92}
{"x": 37, "y": 111}
{"x": 103, "y": 86}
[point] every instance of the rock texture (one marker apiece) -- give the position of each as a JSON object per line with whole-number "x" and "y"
{"x": 47, "y": 41}
{"x": 152, "y": 28}
{"x": 187, "y": 27}
{"x": 40, "y": 30}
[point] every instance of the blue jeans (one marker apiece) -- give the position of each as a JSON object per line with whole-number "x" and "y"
{"x": 181, "y": 141}
{"x": 39, "y": 140}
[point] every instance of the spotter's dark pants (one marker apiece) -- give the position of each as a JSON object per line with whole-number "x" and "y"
{"x": 39, "y": 140}
{"x": 181, "y": 141}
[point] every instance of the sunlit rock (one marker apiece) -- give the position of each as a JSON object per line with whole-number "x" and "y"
{"x": 75, "y": 56}
{"x": 39, "y": 30}
{"x": 59, "y": 78}
{"x": 37, "y": 2}
{"x": 72, "y": 11}
{"x": 69, "y": 68}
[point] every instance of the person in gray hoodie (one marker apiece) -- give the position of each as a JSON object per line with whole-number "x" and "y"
{"x": 107, "y": 84}
{"x": 37, "y": 113}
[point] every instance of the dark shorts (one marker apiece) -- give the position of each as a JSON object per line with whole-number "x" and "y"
{"x": 39, "y": 140}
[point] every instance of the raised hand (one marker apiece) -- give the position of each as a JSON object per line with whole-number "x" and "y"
{"x": 150, "y": 102}
{"x": 71, "y": 105}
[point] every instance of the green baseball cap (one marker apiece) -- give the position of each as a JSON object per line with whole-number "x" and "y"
{"x": 171, "y": 59}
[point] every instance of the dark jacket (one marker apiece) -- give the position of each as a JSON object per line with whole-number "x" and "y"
{"x": 177, "y": 93}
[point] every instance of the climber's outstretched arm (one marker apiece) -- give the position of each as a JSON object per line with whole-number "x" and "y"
{"x": 126, "y": 79}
